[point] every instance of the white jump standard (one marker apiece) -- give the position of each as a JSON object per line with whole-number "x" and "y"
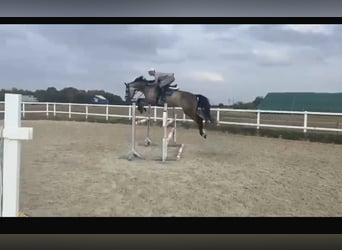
{"x": 166, "y": 138}
{"x": 148, "y": 121}
{"x": 133, "y": 153}
{"x": 172, "y": 134}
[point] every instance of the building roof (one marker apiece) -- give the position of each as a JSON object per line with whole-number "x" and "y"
{"x": 101, "y": 97}
{"x": 28, "y": 98}
{"x": 302, "y": 101}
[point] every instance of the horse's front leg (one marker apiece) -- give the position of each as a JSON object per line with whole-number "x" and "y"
{"x": 140, "y": 105}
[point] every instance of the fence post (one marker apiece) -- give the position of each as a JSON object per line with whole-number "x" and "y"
{"x": 175, "y": 126}
{"x": 164, "y": 140}
{"x": 305, "y": 121}
{"x": 69, "y": 110}
{"x": 23, "y": 110}
{"x": 107, "y": 112}
{"x": 47, "y": 109}
{"x": 54, "y": 109}
{"x": 155, "y": 114}
{"x": 130, "y": 112}
{"x": 337, "y": 126}
{"x": 12, "y": 134}
{"x": 258, "y": 119}
{"x": 184, "y": 117}
{"x": 86, "y": 111}
{"x": 218, "y": 115}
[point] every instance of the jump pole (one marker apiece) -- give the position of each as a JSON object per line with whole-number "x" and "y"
{"x": 180, "y": 151}
{"x": 172, "y": 134}
{"x": 148, "y": 141}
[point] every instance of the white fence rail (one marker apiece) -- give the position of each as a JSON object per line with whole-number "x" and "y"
{"x": 223, "y": 116}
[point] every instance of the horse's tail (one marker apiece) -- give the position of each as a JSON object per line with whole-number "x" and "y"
{"x": 204, "y": 105}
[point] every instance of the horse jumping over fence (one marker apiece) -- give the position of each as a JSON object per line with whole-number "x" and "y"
{"x": 197, "y": 107}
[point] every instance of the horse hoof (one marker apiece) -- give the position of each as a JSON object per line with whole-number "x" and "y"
{"x": 205, "y": 136}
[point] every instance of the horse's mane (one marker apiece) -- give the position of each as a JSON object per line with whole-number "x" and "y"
{"x": 143, "y": 79}
{"x": 140, "y": 78}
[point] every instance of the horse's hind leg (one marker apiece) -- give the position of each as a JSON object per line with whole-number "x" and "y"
{"x": 198, "y": 119}
{"x": 199, "y": 122}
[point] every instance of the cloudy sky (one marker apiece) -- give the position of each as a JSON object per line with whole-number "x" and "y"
{"x": 222, "y": 62}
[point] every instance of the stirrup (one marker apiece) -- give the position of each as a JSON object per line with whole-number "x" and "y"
{"x": 174, "y": 88}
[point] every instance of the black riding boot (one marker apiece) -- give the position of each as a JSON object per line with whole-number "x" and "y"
{"x": 161, "y": 98}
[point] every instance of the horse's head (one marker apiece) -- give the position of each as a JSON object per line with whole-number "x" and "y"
{"x": 137, "y": 85}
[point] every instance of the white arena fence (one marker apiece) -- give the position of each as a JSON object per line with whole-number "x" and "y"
{"x": 298, "y": 120}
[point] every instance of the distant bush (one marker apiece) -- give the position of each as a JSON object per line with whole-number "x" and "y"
{"x": 65, "y": 95}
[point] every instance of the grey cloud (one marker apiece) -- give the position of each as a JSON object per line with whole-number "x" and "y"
{"x": 242, "y": 55}
{"x": 322, "y": 45}
{"x": 248, "y": 57}
{"x": 7, "y": 35}
{"x": 275, "y": 34}
{"x": 93, "y": 53}
{"x": 144, "y": 39}
{"x": 302, "y": 47}
{"x": 252, "y": 60}
{"x": 218, "y": 28}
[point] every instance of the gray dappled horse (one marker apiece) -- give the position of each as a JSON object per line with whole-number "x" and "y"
{"x": 197, "y": 107}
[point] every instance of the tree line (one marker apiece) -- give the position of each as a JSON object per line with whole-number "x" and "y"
{"x": 244, "y": 105}
{"x": 73, "y": 95}
{"x": 65, "y": 95}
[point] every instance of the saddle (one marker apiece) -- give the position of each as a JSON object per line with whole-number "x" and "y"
{"x": 166, "y": 91}
{"x": 170, "y": 89}
{"x": 173, "y": 86}
{"x": 150, "y": 83}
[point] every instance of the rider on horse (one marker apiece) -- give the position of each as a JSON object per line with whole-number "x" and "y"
{"x": 195, "y": 106}
{"x": 163, "y": 79}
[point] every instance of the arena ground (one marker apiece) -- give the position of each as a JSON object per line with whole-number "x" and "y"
{"x": 79, "y": 169}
